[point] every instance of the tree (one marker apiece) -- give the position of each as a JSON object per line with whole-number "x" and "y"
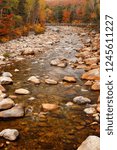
{"x": 22, "y": 10}
{"x": 42, "y": 14}
{"x": 66, "y": 16}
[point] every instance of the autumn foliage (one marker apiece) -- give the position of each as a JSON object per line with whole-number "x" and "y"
{"x": 18, "y": 17}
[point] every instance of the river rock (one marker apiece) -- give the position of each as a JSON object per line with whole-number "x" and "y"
{"x": 22, "y": 91}
{"x": 2, "y": 88}
{"x": 98, "y": 107}
{"x": 9, "y": 134}
{"x": 28, "y": 51}
{"x": 49, "y": 107}
{"x": 91, "y": 61}
{"x": 2, "y": 58}
{"x": 96, "y": 86}
{"x": 69, "y": 104}
{"x": 92, "y": 75}
{"x": 91, "y": 143}
{"x": 14, "y": 112}
{"x": 90, "y": 110}
{"x": 34, "y": 80}
{"x": 6, "y": 80}
{"x": 62, "y": 64}
{"x": 7, "y": 74}
{"x": 55, "y": 62}
{"x": 88, "y": 83}
{"x": 81, "y": 100}
{"x": 69, "y": 79}
{"x": 6, "y": 103}
{"x": 51, "y": 82}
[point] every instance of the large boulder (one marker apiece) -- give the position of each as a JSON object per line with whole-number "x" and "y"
{"x": 14, "y": 112}
{"x": 9, "y": 134}
{"x": 91, "y": 143}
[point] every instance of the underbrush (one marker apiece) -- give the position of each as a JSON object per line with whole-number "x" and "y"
{"x": 22, "y": 31}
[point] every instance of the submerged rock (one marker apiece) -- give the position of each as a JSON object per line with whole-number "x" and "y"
{"x": 55, "y": 62}
{"x": 34, "y": 80}
{"x": 22, "y": 91}
{"x": 91, "y": 143}
{"x": 49, "y": 107}
{"x": 9, "y": 134}
{"x": 14, "y": 112}
{"x": 96, "y": 86}
{"x": 81, "y": 100}
{"x": 51, "y": 82}
{"x": 6, "y": 103}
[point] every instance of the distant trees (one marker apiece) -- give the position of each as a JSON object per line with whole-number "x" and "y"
{"x": 17, "y": 17}
{"x": 17, "y": 14}
{"x": 73, "y": 11}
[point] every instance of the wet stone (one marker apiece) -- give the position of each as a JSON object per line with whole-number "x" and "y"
{"x": 6, "y": 103}
{"x": 81, "y": 100}
{"x": 49, "y": 107}
{"x": 90, "y": 110}
{"x": 6, "y": 80}
{"x": 22, "y": 91}
{"x": 14, "y": 112}
{"x": 9, "y": 134}
{"x": 34, "y": 80}
{"x": 69, "y": 79}
{"x": 51, "y": 82}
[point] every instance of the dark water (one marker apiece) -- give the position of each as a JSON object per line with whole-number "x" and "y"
{"x": 63, "y": 129}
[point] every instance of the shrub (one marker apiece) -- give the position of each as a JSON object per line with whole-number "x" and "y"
{"x": 18, "y": 21}
{"x": 38, "y": 29}
{"x": 4, "y": 39}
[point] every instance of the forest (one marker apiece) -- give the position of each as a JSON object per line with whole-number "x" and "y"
{"x": 18, "y": 17}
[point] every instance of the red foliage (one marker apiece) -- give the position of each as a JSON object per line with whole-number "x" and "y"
{"x": 6, "y": 20}
{"x": 66, "y": 16}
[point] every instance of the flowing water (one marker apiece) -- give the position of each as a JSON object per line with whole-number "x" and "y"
{"x": 63, "y": 129}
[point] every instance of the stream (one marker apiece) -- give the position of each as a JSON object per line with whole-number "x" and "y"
{"x": 62, "y": 129}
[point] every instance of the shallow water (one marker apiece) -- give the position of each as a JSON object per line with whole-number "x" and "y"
{"x": 63, "y": 129}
